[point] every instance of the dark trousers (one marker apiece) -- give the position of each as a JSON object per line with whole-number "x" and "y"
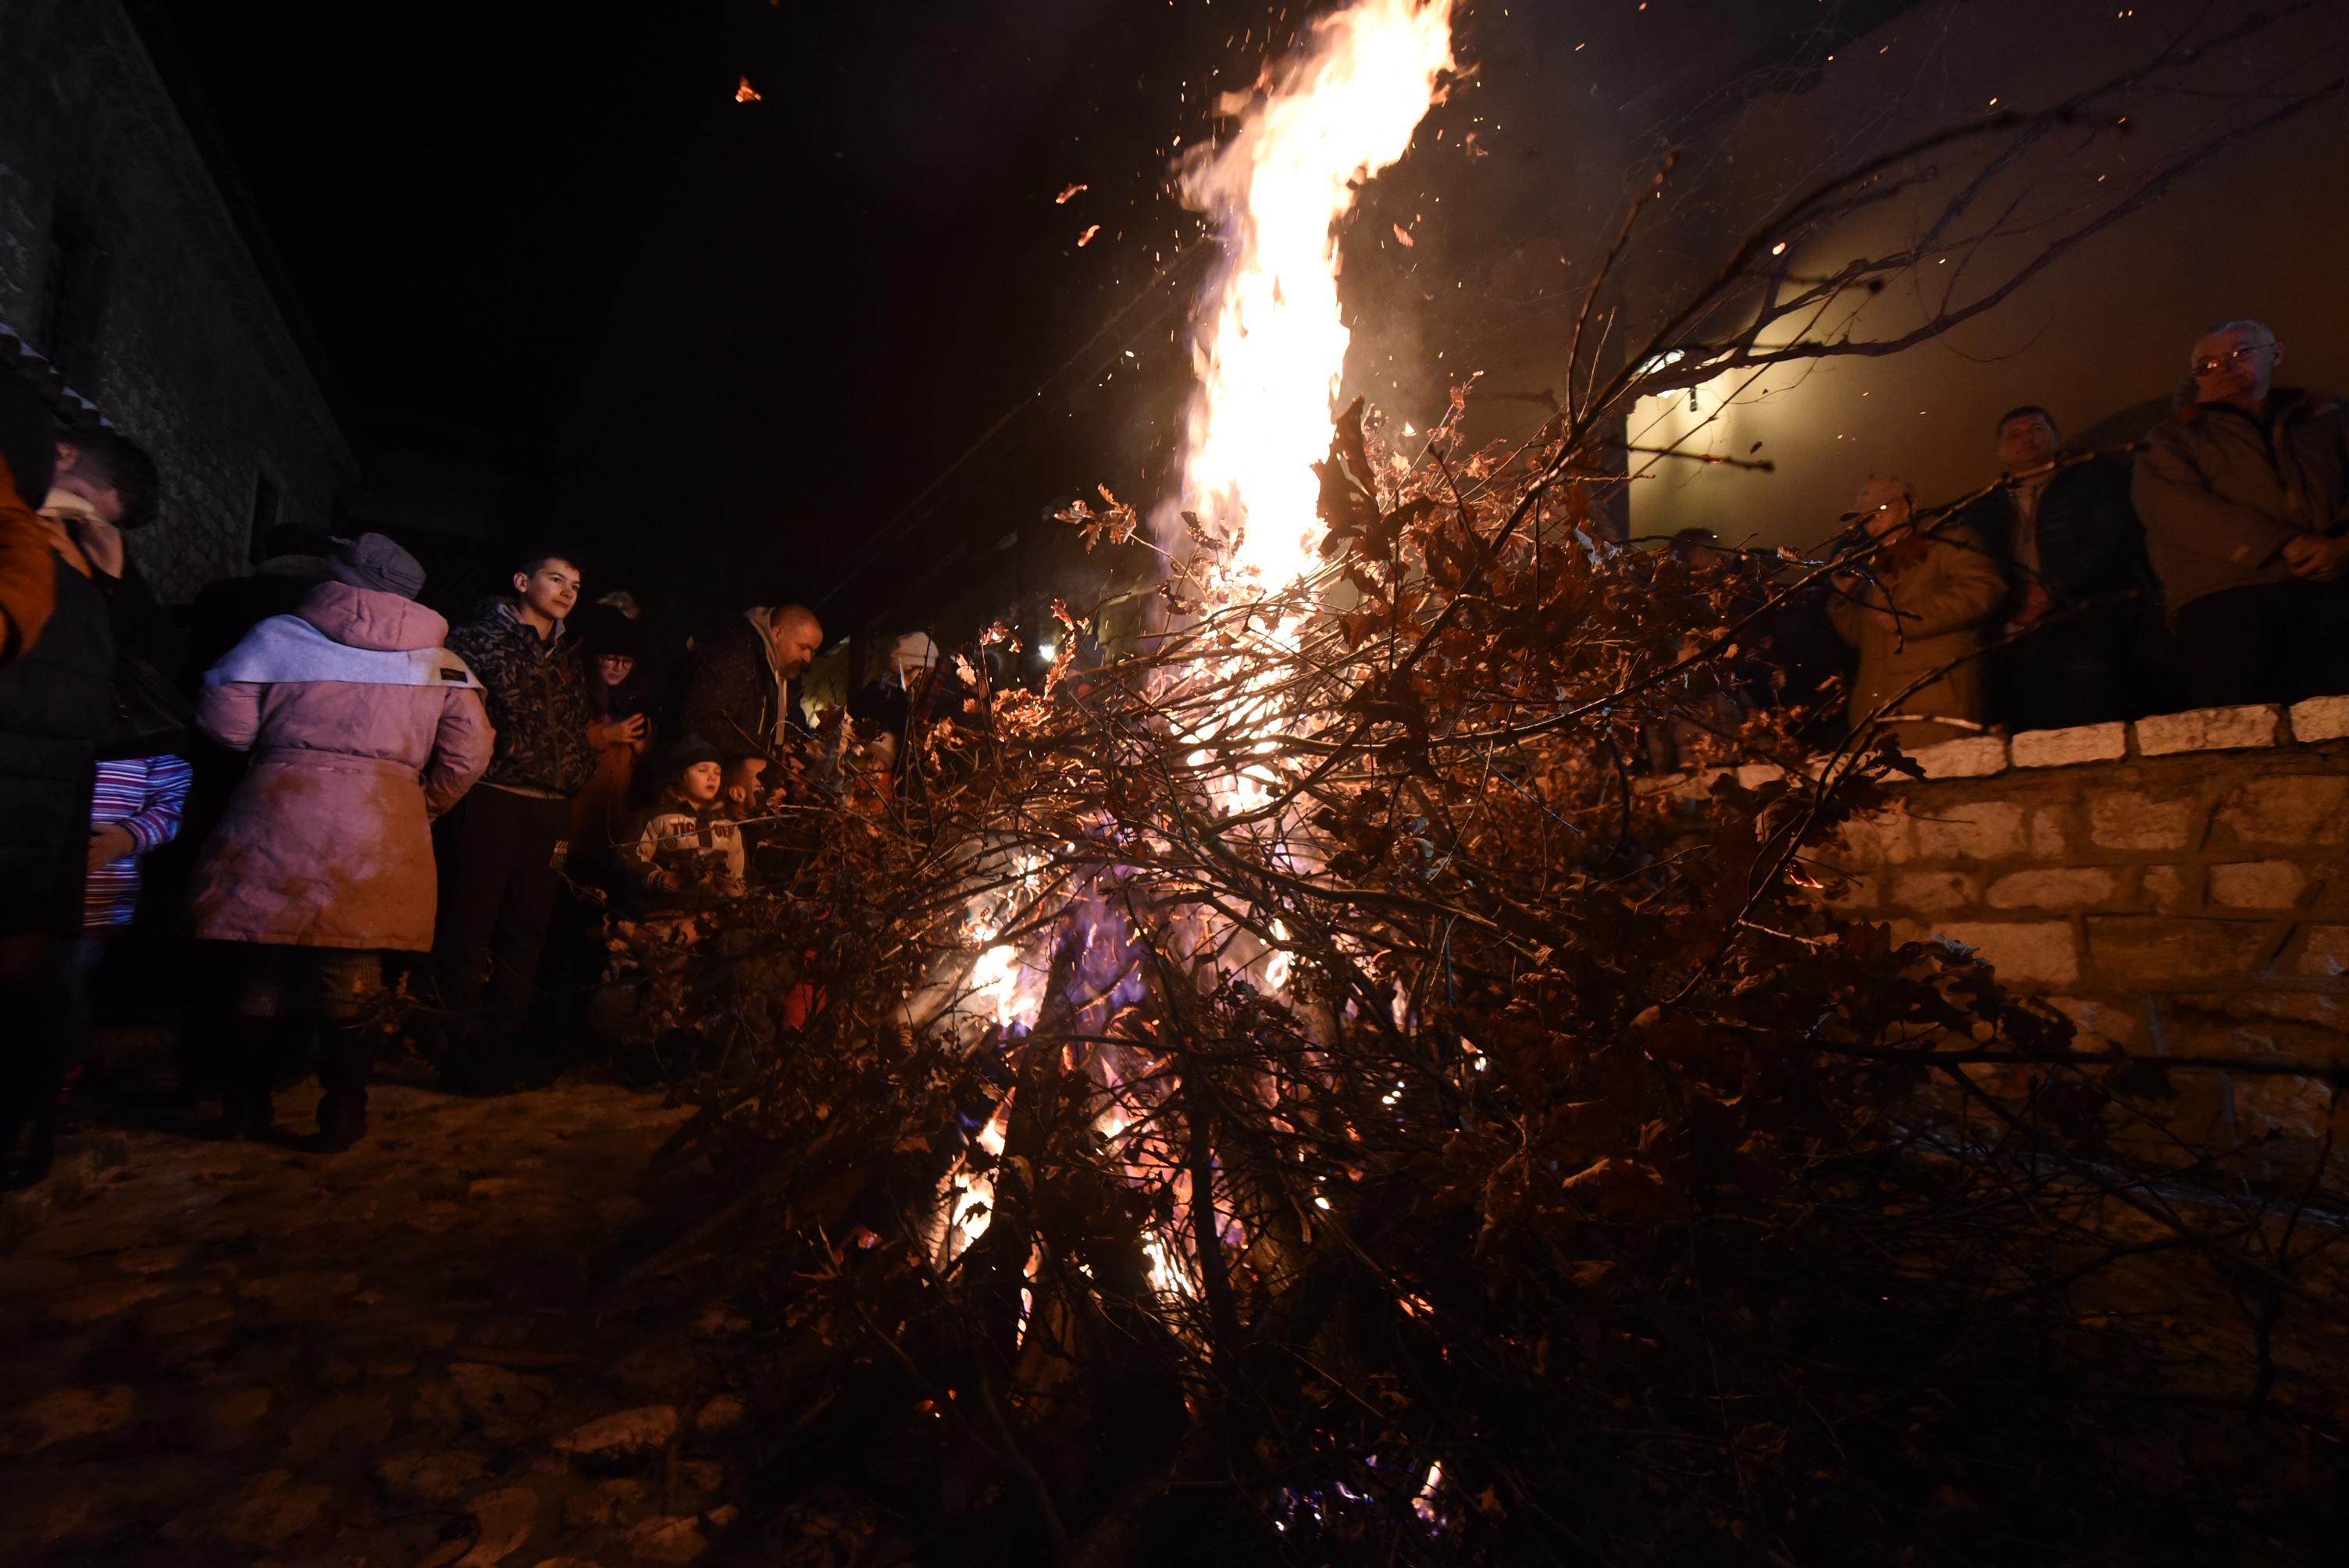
{"x": 2073, "y": 670}
{"x": 39, "y": 1019}
{"x": 498, "y": 888}
{"x": 2273, "y": 642}
{"x": 280, "y": 991}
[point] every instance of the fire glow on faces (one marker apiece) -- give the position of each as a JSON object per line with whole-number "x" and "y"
{"x": 1274, "y": 346}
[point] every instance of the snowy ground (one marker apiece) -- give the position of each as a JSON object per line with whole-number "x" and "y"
{"x": 408, "y": 1354}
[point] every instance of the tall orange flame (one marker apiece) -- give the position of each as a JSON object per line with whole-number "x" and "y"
{"x": 1269, "y": 358}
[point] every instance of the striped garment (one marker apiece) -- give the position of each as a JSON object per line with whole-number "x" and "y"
{"x": 144, "y": 795}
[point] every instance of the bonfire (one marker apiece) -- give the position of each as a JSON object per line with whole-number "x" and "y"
{"x": 1294, "y": 1088}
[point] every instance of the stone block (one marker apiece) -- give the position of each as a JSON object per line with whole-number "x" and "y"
{"x": 2054, "y": 887}
{"x": 2165, "y": 889}
{"x": 2258, "y": 884}
{"x": 2165, "y": 950}
{"x": 2321, "y": 718}
{"x": 2051, "y": 833}
{"x": 2209, "y": 729}
{"x": 2315, "y": 1017}
{"x": 2132, "y": 820}
{"x": 2069, "y": 747}
{"x": 1856, "y": 890}
{"x": 1878, "y": 838}
{"x": 2284, "y": 808}
{"x": 2324, "y": 951}
{"x": 1754, "y": 774}
{"x": 1975, "y": 757}
{"x": 2023, "y": 951}
{"x": 2098, "y": 1020}
{"x": 2293, "y": 1107}
{"x": 2196, "y": 1110}
{"x": 1934, "y": 893}
{"x": 1980, "y": 830}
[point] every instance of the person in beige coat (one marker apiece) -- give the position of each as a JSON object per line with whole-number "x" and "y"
{"x": 1919, "y": 621}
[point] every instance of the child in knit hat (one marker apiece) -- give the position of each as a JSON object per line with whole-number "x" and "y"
{"x": 687, "y": 855}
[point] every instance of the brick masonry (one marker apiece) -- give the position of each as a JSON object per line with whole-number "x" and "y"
{"x": 2179, "y": 886}
{"x": 176, "y": 338}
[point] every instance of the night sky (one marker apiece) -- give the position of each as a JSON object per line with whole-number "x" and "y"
{"x": 725, "y": 348}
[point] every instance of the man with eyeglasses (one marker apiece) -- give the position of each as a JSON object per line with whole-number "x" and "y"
{"x": 2244, "y": 494}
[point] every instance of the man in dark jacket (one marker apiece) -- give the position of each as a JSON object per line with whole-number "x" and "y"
{"x": 2245, "y": 496}
{"x": 2065, "y": 537}
{"x": 739, "y": 689}
{"x": 502, "y": 850}
{"x": 105, "y": 488}
{"x": 55, "y": 697}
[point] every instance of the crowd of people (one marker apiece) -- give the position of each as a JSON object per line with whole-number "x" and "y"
{"x": 373, "y": 798}
{"x": 2209, "y": 568}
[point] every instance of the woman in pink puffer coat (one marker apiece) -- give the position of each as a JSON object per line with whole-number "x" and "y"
{"x": 362, "y": 728}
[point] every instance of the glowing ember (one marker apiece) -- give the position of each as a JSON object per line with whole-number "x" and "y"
{"x": 1271, "y": 353}
{"x": 1010, "y": 988}
{"x": 745, "y": 92}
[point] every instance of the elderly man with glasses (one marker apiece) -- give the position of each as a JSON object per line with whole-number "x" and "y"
{"x": 2244, "y": 494}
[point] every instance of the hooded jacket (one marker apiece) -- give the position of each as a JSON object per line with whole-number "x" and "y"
{"x": 362, "y": 728}
{"x": 537, "y": 692}
{"x": 2222, "y": 490}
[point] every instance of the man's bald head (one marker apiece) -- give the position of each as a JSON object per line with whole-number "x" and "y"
{"x": 2235, "y": 362}
{"x": 797, "y": 638}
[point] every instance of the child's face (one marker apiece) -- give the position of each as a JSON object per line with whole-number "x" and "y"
{"x": 700, "y": 782}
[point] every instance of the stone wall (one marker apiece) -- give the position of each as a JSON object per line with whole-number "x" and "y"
{"x": 119, "y": 261}
{"x": 2178, "y": 885}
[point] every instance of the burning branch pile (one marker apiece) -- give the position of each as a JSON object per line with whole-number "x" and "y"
{"x": 1353, "y": 1114}
{"x": 1294, "y": 1091}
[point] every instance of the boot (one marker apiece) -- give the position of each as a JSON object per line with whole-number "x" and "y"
{"x": 346, "y": 1062}
{"x": 342, "y": 1121}
{"x": 248, "y": 1111}
{"x": 247, "y": 1061}
{"x": 480, "y": 1068}
{"x": 27, "y": 1149}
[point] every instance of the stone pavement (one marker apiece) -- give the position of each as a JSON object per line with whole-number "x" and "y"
{"x": 409, "y": 1354}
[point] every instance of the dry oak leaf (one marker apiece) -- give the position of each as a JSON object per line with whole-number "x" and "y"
{"x": 676, "y": 1538}
{"x": 62, "y": 1415}
{"x": 618, "y": 1436}
{"x": 506, "y": 1518}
